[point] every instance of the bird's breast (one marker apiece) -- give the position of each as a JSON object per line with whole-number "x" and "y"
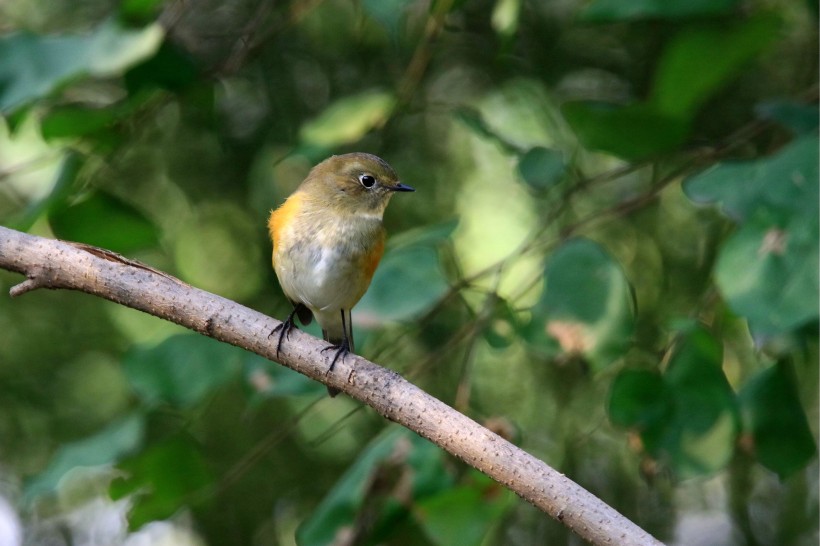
{"x": 324, "y": 260}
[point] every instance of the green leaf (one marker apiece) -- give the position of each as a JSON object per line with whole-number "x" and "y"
{"x": 395, "y": 452}
{"x": 115, "y": 441}
{"x": 505, "y": 17}
{"x": 699, "y": 61}
{"x": 169, "y": 69}
{"x": 182, "y": 369}
{"x": 768, "y": 269}
{"x": 688, "y": 417}
{"x": 162, "y": 478}
{"x": 638, "y": 399}
{"x": 542, "y": 168}
{"x": 429, "y": 235}
{"x": 97, "y": 124}
{"x": 75, "y": 121}
{"x": 586, "y": 305}
{"x": 800, "y": 118}
{"x": 347, "y": 120}
{"x": 783, "y": 184}
{"x": 475, "y": 122}
{"x": 105, "y": 221}
{"x": 695, "y": 374}
{"x": 689, "y": 73}
{"x": 770, "y": 275}
{"x": 619, "y": 10}
{"x": 502, "y": 330}
{"x": 772, "y": 414}
{"x": 140, "y": 11}
{"x": 70, "y": 166}
{"x": 409, "y": 279}
{"x": 701, "y": 435}
{"x": 463, "y": 515}
{"x": 35, "y": 66}
{"x": 389, "y": 13}
{"x": 632, "y": 132}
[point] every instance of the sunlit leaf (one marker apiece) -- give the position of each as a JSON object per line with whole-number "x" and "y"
{"x": 70, "y": 166}
{"x": 105, "y": 221}
{"x": 34, "y": 66}
{"x": 115, "y": 441}
{"x": 347, "y": 120}
{"x": 505, "y": 16}
{"x": 162, "y": 480}
{"x": 182, "y": 369}
{"x": 475, "y": 122}
{"x": 772, "y": 414}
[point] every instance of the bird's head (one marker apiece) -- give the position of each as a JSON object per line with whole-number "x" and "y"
{"x": 355, "y": 183}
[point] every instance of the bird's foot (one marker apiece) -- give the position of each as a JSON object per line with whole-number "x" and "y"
{"x": 284, "y": 329}
{"x": 342, "y": 350}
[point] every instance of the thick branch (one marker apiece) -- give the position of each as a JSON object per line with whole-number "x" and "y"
{"x": 56, "y": 264}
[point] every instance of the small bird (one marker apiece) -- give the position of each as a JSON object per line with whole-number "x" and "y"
{"x": 328, "y": 238}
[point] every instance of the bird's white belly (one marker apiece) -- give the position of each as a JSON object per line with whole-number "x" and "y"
{"x": 323, "y": 279}
{"x": 324, "y": 286}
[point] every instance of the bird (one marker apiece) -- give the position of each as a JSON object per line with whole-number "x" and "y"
{"x": 328, "y": 238}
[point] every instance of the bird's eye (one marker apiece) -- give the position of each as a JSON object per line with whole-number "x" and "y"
{"x": 367, "y": 180}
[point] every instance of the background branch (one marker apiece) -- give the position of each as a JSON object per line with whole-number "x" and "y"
{"x": 62, "y": 265}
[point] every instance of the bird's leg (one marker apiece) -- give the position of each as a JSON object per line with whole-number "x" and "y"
{"x": 342, "y": 349}
{"x": 284, "y": 328}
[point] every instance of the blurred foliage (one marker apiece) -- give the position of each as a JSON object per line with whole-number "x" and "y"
{"x": 768, "y": 270}
{"x": 611, "y": 259}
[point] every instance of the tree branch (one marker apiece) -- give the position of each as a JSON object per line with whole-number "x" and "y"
{"x": 57, "y": 264}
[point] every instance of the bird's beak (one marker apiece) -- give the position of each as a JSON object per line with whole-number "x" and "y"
{"x": 401, "y": 187}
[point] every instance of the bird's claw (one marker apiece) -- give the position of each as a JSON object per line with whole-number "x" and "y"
{"x": 284, "y": 329}
{"x": 342, "y": 350}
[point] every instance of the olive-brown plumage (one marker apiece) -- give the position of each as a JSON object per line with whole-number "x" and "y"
{"x": 328, "y": 238}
